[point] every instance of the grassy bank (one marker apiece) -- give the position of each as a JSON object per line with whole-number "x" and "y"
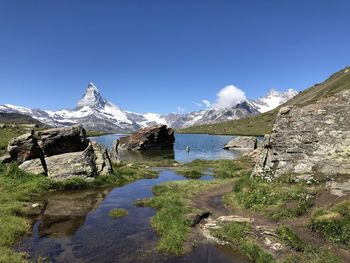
{"x": 217, "y": 168}
{"x": 278, "y": 199}
{"x": 173, "y": 200}
{"x": 239, "y": 234}
{"x": 19, "y": 189}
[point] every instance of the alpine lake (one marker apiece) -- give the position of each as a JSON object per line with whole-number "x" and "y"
{"x": 76, "y": 227}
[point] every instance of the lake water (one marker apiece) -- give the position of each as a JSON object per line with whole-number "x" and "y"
{"x": 203, "y": 146}
{"x": 75, "y": 227}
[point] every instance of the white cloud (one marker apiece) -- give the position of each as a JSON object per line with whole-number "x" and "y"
{"x": 206, "y": 103}
{"x": 228, "y": 96}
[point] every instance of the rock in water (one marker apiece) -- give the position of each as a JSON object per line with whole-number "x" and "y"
{"x": 314, "y": 139}
{"x": 242, "y": 142}
{"x": 63, "y": 140}
{"x": 158, "y": 137}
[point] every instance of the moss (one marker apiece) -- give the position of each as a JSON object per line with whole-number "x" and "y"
{"x": 118, "y": 212}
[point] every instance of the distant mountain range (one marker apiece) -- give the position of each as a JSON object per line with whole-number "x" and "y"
{"x": 96, "y": 113}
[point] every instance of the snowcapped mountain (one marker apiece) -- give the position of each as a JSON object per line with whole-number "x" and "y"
{"x": 95, "y": 113}
{"x": 273, "y": 99}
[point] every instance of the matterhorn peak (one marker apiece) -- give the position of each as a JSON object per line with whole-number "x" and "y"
{"x": 92, "y": 98}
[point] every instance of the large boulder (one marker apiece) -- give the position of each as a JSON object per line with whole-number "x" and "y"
{"x": 242, "y": 142}
{"x": 24, "y": 147}
{"x": 48, "y": 142}
{"x": 158, "y": 137}
{"x": 309, "y": 140}
{"x": 63, "y": 140}
{"x": 90, "y": 163}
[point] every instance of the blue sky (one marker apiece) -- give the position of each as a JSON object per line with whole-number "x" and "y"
{"x": 156, "y": 56}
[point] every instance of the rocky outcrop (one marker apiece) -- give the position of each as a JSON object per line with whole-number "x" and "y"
{"x": 60, "y": 153}
{"x": 314, "y": 139}
{"x": 24, "y": 147}
{"x": 92, "y": 162}
{"x": 158, "y": 137}
{"x": 242, "y": 142}
{"x": 63, "y": 140}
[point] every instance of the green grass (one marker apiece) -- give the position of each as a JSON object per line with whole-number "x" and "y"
{"x": 118, "y": 212}
{"x": 17, "y": 188}
{"x": 334, "y": 223}
{"x": 220, "y": 168}
{"x": 277, "y": 199}
{"x": 6, "y": 134}
{"x": 305, "y": 253}
{"x": 173, "y": 201}
{"x": 190, "y": 173}
{"x": 263, "y": 123}
{"x": 239, "y": 234}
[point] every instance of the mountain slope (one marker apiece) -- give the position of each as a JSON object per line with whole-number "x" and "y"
{"x": 97, "y": 114}
{"x": 262, "y": 124}
{"x": 18, "y": 118}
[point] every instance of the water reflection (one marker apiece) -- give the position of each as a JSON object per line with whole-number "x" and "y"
{"x": 75, "y": 227}
{"x": 203, "y": 146}
{"x": 65, "y": 211}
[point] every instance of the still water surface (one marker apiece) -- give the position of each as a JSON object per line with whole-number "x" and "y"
{"x": 75, "y": 227}
{"x": 203, "y": 146}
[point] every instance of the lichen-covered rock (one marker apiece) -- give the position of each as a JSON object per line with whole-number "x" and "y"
{"x": 314, "y": 139}
{"x": 63, "y": 140}
{"x": 24, "y": 147}
{"x": 158, "y": 137}
{"x": 92, "y": 162}
{"x": 242, "y": 142}
{"x": 102, "y": 160}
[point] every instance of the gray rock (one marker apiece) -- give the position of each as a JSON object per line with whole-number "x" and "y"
{"x": 63, "y": 140}
{"x": 313, "y": 139}
{"x": 90, "y": 163}
{"x": 242, "y": 142}
{"x": 24, "y": 147}
{"x": 5, "y": 158}
{"x": 158, "y": 137}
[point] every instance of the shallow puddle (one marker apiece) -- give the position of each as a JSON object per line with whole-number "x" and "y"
{"x": 75, "y": 227}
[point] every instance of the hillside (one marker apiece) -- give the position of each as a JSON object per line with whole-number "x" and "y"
{"x": 17, "y": 118}
{"x": 262, "y": 123}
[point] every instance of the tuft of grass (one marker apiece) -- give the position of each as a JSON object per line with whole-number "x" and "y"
{"x": 239, "y": 234}
{"x": 190, "y": 173}
{"x": 118, "y": 212}
{"x": 173, "y": 202}
{"x": 276, "y": 199}
{"x": 334, "y": 224}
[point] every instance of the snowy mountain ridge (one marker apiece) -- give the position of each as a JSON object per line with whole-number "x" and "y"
{"x": 96, "y": 113}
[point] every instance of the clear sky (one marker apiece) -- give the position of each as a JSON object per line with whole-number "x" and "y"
{"x": 156, "y": 56}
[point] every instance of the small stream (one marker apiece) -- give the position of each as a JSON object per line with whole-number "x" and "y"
{"x": 75, "y": 227}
